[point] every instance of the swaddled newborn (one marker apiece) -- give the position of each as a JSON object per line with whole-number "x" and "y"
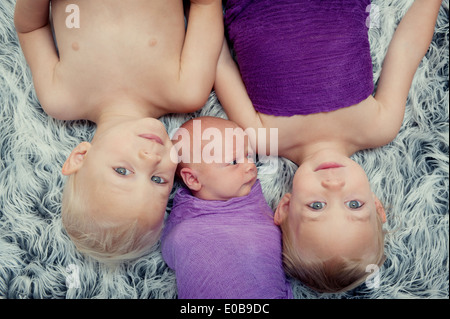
{"x": 220, "y": 238}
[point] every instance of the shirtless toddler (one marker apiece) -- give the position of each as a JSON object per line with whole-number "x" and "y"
{"x": 126, "y": 64}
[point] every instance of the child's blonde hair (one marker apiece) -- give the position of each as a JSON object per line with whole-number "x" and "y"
{"x": 106, "y": 242}
{"x": 332, "y": 275}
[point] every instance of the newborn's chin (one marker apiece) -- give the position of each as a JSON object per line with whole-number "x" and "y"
{"x": 246, "y": 188}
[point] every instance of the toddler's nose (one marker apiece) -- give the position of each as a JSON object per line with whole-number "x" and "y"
{"x": 333, "y": 184}
{"x": 149, "y": 157}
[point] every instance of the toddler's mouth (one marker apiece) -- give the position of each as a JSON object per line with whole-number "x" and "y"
{"x": 328, "y": 165}
{"x": 152, "y": 137}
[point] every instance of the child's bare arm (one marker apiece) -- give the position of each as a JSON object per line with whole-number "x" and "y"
{"x": 407, "y": 48}
{"x": 201, "y": 50}
{"x": 31, "y": 19}
{"x": 231, "y": 92}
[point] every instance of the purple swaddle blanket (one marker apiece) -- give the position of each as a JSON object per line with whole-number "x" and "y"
{"x": 225, "y": 249}
{"x": 301, "y": 56}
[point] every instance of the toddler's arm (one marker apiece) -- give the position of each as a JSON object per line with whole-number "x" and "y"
{"x": 31, "y": 19}
{"x": 231, "y": 92}
{"x": 407, "y": 48}
{"x": 201, "y": 50}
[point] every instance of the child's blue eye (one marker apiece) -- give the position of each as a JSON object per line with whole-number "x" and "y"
{"x": 122, "y": 171}
{"x": 354, "y": 204}
{"x": 317, "y": 205}
{"x": 158, "y": 180}
{"x": 233, "y": 162}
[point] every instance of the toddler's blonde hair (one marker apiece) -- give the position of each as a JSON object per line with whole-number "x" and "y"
{"x": 332, "y": 275}
{"x": 106, "y": 242}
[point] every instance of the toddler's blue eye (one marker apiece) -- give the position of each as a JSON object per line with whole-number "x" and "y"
{"x": 233, "y": 162}
{"x": 354, "y": 204}
{"x": 122, "y": 171}
{"x": 317, "y": 205}
{"x": 158, "y": 180}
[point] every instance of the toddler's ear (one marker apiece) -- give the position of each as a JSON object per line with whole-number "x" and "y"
{"x": 380, "y": 209}
{"x": 190, "y": 178}
{"x": 75, "y": 160}
{"x": 282, "y": 209}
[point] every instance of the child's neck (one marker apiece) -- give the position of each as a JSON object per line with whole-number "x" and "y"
{"x": 119, "y": 109}
{"x": 309, "y": 150}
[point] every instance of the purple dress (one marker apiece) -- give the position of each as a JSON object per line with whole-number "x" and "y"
{"x": 301, "y": 56}
{"x": 225, "y": 249}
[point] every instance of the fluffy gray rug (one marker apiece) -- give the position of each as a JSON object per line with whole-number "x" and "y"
{"x": 410, "y": 175}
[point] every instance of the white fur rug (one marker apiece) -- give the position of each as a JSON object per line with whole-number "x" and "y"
{"x": 410, "y": 175}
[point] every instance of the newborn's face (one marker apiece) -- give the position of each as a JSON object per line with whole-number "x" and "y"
{"x": 231, "y": 173}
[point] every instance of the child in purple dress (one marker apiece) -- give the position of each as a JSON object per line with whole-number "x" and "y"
{"x": 305, "y": 69}
{"x": 220, "y": 238}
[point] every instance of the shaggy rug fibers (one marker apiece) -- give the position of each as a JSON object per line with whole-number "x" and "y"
{"x": 410, "y": 176}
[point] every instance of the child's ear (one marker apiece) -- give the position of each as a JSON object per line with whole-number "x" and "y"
{"x": 190, "y": 178}
{"x": 75, "y": 160}
{"x": 380, "y": 209}
{"x": 282, "y": 209}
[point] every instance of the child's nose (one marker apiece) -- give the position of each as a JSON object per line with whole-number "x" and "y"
{"x": 250, "y": 167}
{"x": 149, "y": 157}
{"x": 333, "y": 184}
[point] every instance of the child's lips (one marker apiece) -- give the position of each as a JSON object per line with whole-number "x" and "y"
{"x": 328, "y": 165}
{"x": 152, "y": 137}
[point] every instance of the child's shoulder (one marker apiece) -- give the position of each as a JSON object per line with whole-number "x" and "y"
{"x": 365, "y": 125}
{"x": 376, "y": 124}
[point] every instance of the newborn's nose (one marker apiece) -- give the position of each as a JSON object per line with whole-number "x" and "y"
{"x": 250, "y": 168}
